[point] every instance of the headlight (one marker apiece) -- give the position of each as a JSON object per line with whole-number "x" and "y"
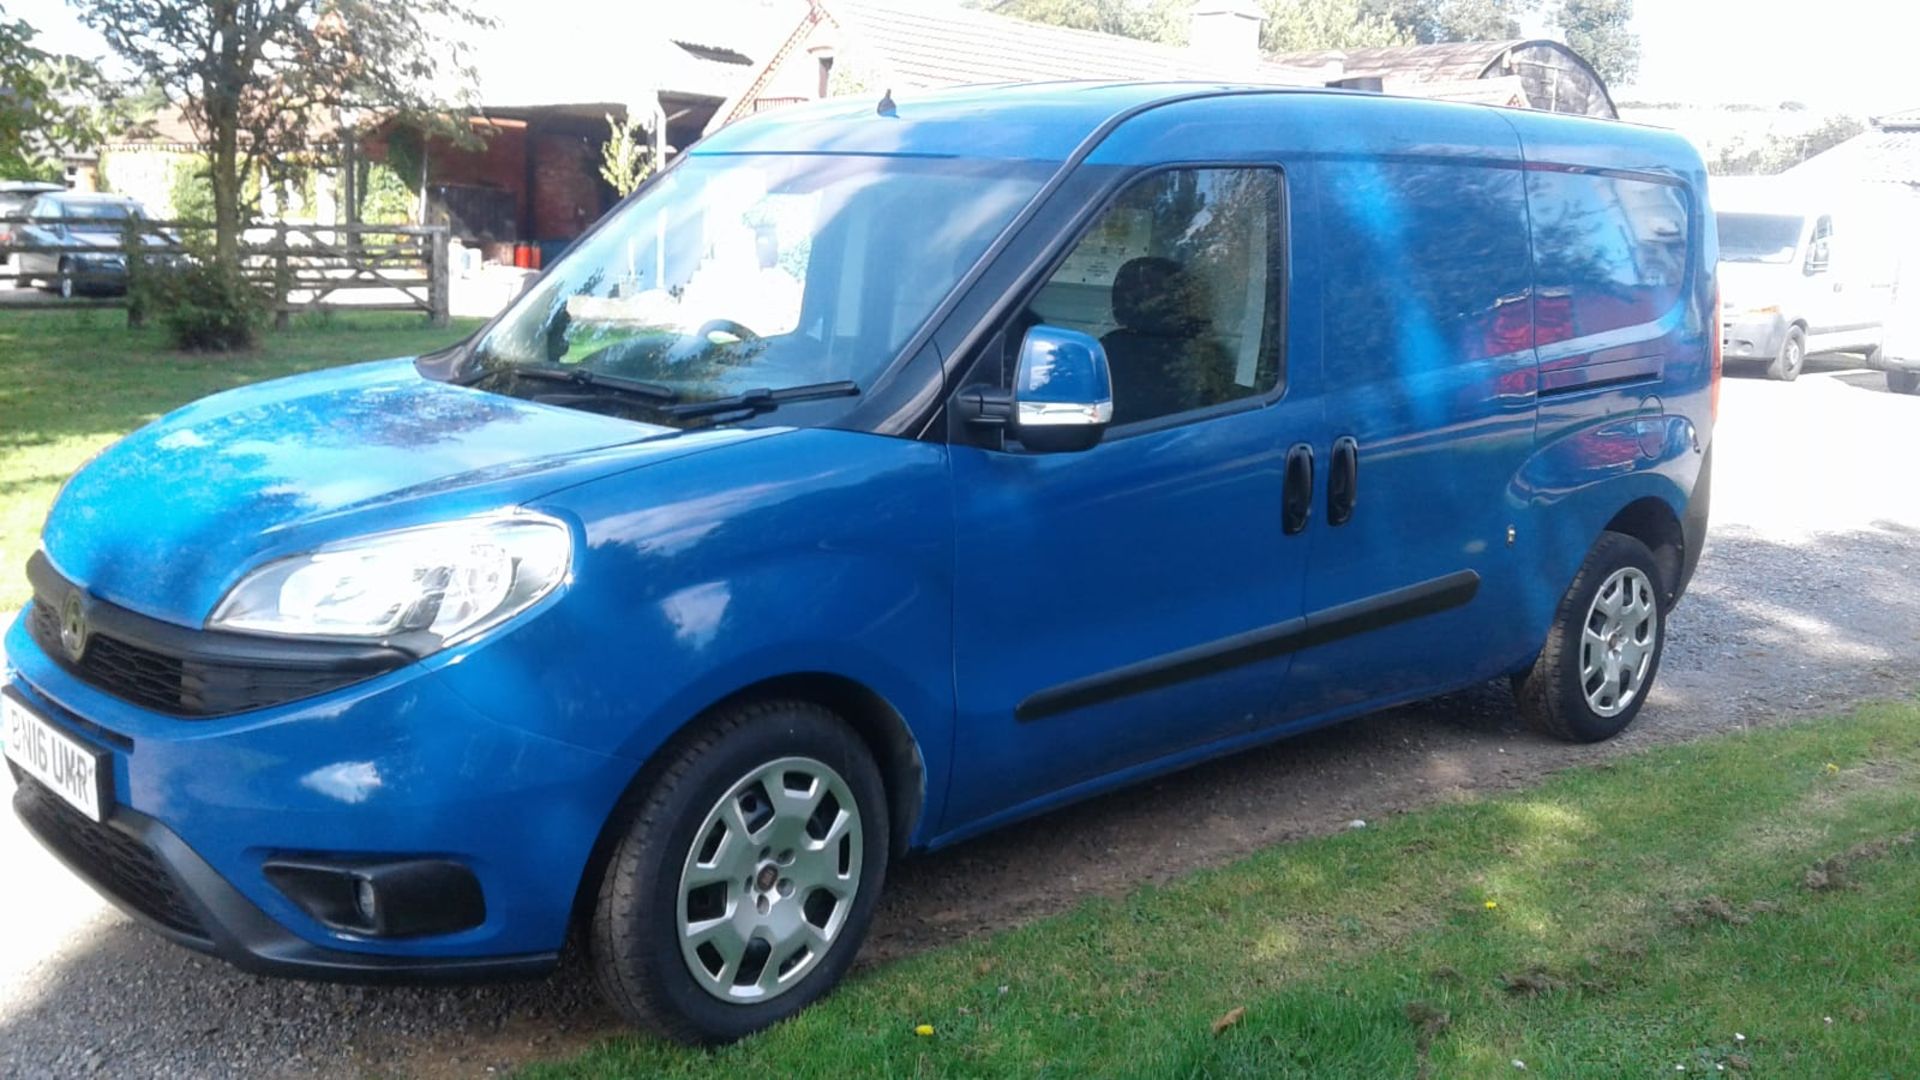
{"x": 433, "y": 585}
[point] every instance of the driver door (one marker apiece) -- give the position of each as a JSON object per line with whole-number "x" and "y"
{"x": 1126, "y": 603}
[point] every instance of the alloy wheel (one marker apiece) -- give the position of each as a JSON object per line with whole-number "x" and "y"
{"x": 769, "y": 880}
{"x": 1617, "y": 642}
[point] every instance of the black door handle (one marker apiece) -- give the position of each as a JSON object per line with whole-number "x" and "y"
{"x": 1343, "y": 480}
{"x": 1297, "y": 502}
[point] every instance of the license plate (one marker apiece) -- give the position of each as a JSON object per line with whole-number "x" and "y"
{"x": 74, "y": 771}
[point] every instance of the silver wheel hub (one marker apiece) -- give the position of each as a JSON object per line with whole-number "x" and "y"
{"x": 1617, "y": 642}
{"x": 769, "y": 880}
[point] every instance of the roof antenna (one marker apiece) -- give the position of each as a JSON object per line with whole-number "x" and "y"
{"x": 886, "y": 106}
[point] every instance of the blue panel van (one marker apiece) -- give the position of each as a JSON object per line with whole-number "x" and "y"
{"x": 871, "y": 479}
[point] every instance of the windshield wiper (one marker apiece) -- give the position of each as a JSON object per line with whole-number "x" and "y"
{"x": 576, "y": 376}
{"x": 763, "y": 399}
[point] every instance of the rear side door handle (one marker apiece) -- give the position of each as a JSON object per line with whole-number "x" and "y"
{"x": 1343, "y": 480}
{"x": 1297, "y": 502}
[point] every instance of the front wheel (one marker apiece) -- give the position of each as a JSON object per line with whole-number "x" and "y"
{"x": 744, "y": 884}
{"x": 1792, "y": 358}
{"x": 66, "y": 280}
{"x": 1904, "y": 382}
{"x": 1602, "y": 654}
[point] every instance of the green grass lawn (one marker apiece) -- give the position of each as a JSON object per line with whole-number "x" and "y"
{"x": 1741, "y": 904}
{"x": 73, "y": 381}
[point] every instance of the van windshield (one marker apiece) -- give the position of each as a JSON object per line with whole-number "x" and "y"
{"x": 1759, "y": 238}
{"x": 738, "y": 274}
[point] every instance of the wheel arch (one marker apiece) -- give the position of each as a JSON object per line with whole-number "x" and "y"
{"x": 1652, "y": 521}
{"x": 879, "y": 724}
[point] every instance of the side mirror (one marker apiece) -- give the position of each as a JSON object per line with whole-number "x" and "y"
{"x": 1062, "y": 391}
{"x": 1062, "y": 396}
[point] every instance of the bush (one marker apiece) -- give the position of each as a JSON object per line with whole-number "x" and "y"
{"x": 204, "y": 306}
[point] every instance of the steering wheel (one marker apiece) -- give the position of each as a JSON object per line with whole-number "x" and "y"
{"x": 727, "y": 326}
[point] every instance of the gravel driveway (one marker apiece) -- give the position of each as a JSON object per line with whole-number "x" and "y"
{"x": 1805, "y": 600}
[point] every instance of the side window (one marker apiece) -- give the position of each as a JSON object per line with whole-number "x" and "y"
{"x": 1612, "y": 252}
{"x": 1181, "y": 280}
{"x": 1820, "y": 246}
{"x": 1426, "y": 267}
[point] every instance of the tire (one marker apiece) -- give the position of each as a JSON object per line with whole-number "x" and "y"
{"x": 1904, "y": 382}
{"x": 651, "y": 887}
{"x": 1792, "y": 359}
{"x": 64, "y": 285}
{"x": 1556, "y": 695}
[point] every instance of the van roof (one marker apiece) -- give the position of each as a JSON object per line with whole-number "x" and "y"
{"x": 1033, "y": 121}
{"x": 1798, "y": 195}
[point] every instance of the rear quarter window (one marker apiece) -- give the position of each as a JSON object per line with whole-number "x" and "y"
{"x": 1427, "y": 266}
{"x": 1612, "y": 252}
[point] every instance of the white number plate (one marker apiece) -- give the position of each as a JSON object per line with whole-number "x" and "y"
{"x": 75, "y": 772}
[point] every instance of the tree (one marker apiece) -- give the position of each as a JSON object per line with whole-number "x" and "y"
{"x": 1148, "y": 20}
{"x": 262, "y": 82}
{"x": 1775, "y": 152}
{"x": 40, "y": 114}
{"x": 625, "y": 160}
{"x": 1311, "y": 25}
{"x": 1601, "y": 31}
{"x": 1597, "y": 29}
{"x": 1429, "y": 21}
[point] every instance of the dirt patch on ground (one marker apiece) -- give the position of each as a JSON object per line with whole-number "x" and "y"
{"x": 1834, "y": 872}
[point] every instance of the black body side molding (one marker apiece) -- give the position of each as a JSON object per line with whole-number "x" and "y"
{"x": 1321, "y": 627}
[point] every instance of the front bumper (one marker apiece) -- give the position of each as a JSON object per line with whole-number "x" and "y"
{"x": 1752, "y": 337}
{"x": 396, "y": 767}
{"x": 153, "y": 876}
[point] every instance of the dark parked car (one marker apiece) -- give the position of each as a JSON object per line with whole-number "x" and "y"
{"x": 15, "y": 197}
{"x": 89, "y": 229}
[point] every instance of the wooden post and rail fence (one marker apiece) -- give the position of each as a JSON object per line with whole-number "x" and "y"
{"x": 302, "y": 267}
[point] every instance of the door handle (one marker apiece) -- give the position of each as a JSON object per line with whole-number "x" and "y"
{"x": 1343, "y": 480}
{"x": 1297, "y": 501}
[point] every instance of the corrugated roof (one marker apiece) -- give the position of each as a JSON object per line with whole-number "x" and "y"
{"x": 1555, "y": 77}
{"x": 1445, "y": 62}
{"x": 926, "y": 47}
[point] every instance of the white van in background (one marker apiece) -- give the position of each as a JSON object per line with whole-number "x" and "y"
{"x": 1901, "y": 356}
{"x": 1803, "y": 271}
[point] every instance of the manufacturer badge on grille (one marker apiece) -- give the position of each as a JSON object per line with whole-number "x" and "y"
{"x": 73, "y": 628}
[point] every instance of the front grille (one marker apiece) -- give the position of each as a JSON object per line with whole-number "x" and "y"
{"x": 185, "y": 680}
{"x": 116, "y": 863}
{"x": 126, "y": 671}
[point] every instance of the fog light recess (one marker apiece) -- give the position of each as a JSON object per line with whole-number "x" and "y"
{"x": 388, "y": 898}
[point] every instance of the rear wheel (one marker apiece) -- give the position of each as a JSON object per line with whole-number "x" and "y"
{"x": 1792, "y": 358}
{"x": 747, "y": 879}
{"x": 1602, "y": 654}
{"x": 1904, "y": 382}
